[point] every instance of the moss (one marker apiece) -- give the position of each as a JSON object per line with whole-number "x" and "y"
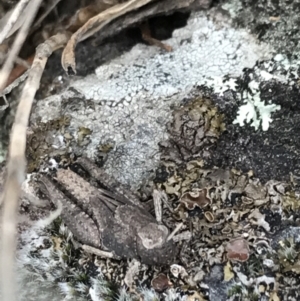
{"x": 53, "y": 139}
{"x": 288, "y": 255}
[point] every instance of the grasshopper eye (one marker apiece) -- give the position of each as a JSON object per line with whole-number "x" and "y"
{"x": 153, "y": 235}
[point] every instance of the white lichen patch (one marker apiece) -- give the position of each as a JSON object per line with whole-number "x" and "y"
{"x": 255, "y": 111}
{"x": 133, "y": 94}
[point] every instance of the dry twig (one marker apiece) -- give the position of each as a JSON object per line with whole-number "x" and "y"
{"x": 14, "y": 21}
{"x": 94, "y": 25}
{"x": 16, "y": 163}
{"x": 38, "y": 22}
{"x": 22, "y": 34}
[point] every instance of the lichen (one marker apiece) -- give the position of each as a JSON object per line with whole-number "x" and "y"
{"x": 256, "y": 111}
{"x": 129, "y": 100}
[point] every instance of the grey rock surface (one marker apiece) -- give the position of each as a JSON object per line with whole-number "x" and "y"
{"x": 129, "y": 100}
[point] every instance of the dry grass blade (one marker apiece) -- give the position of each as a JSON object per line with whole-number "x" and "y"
{"x": 17, "y": 163}
{"x": 12, "y": 20}
{"x": 50, "y": 7}
{"x": 99, "y": 21}
{"x": 21, "y": 36}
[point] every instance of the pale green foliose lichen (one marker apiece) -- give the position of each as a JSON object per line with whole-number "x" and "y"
{"x": 256, "y": 112}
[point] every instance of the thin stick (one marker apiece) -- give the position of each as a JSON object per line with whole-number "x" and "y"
{"x": 68, "y": 56}
{"x": 16, "y": 164}
{"x": 18, "y": 42}
{"x": 177, "y": 228}
{"x": 13, "y": 19}
{"x": 98, "y": 252}
{"x": 38, "y": 22}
